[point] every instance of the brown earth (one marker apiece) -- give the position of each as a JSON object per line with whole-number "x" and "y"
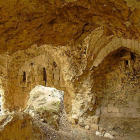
{"x": 23, "y": 127}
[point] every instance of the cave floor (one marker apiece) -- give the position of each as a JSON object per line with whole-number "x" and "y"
{"x": 66, "y": 131}
{"x": 121, "y": 128}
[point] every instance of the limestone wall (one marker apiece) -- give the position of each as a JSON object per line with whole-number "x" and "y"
{"x": 26, "y": 72}
{"x": 45, "y": 65}
{"x": 117, "y": 85}
{"x": 71, "y": 69}
{"x": 41, "y": 70}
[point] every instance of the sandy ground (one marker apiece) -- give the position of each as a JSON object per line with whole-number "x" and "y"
{"x": 128, "y": 129}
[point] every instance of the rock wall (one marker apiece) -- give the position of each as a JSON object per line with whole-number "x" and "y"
{"x": 41, "y": 70}
{"x": 19, "y": 126}
{"x": 26, "y": 69}
{"x": 72, "y": 69}
{"x": 44, "y": 65}
{"x": 3, "y": 79}
{"x": 59, "y": 22}
{"x": 116, "y": 84}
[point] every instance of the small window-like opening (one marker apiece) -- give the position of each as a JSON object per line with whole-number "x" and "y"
{"x": 44, "y": 75}
{"x": 127, "y": 63}
{"x": 24, "y": 76}
{"x": 54, "y": 64}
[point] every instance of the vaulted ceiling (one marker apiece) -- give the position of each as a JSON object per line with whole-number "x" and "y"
{"x": 60, "y": 22}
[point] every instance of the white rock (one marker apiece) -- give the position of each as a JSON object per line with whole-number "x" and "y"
{"x": 46, "y": 102}
{"x": 31, "y": 113}
{"x": 87, "y": 127}
{"x": 107, "y": 135}
{"x": 42, "y": 120}
{"x": 51, "y": 93}
{"x": 98, "y": 133}
{"x": 75, "y": 116}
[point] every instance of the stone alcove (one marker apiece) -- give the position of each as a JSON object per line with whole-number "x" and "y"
{"x": 117, "y": 87}
{"x": 40, "y": 70}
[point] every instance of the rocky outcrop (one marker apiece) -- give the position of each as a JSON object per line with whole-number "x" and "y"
{"x": 87, "y": 48}
{"x": 47, "y": 102}
{"x": 59, "y": 22}
{"x": 18, "y": 126}
{"x": 76, "y": 68}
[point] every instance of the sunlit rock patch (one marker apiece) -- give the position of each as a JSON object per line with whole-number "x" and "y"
{"x": 47, "y": 102}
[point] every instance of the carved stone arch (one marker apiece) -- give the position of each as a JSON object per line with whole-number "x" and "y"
{"x": 113, "y": 45}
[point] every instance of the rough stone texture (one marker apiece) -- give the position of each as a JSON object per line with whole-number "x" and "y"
{"x": 47, "y": 102}
{"x": 117, "y": 85}
{"x": 18, "y": 126}
{"x": 21, "y": 126}
{"x": 99, "y": 76}
{"x": 69, "y": 69}
{"x": 94, "y": 127}
{"x": 107, "y": 135}
{"x": 93, "y": 55}
{"x": 24, "y": 23}
{"x": 55, "y": 58}
{"x": 91, "y": 121}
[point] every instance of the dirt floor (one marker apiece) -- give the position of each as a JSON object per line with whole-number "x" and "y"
{"x": 66, "y": 131}
{"x": 120, "y": 128}
{"x": 24, "y": 127}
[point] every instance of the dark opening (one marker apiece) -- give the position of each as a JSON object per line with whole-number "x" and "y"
{"x": 24, "y": 76}
{"x": 126, "y": 63}
{"x": 54, "y": 64}
{"x": 44, "y": 75}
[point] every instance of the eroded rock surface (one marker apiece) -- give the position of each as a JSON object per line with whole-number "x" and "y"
{"x": 47, "y": 102}
{"x": 100, "y": 76}
{"x": 18, "y": 126}
{"x": 24, "y": 23}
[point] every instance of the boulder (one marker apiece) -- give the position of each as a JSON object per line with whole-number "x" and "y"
{"x": 20, "y": 126}
{"x": 107, "y": 135}
{"x": 47, "y": 103}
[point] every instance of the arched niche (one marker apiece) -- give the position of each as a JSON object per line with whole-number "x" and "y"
{"x": 117, "y": 84}
{"x": 39, "y": 71}
{"x": 113, "y": 45}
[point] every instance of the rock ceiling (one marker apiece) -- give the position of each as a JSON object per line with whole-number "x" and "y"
{"x": 59, "y": 22}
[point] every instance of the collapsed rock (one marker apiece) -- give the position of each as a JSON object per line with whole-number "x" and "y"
{"x": 46, "y": 102}
{"x": 91, "y": 121}
{"x": 107, "y": 135}
{"x": 103, "y": 134}
{"x": 16, "y": 126}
